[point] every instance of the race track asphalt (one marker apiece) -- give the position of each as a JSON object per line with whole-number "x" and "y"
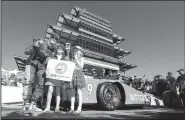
{"x": 13, "y": 112}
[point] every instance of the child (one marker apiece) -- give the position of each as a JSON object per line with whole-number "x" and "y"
{"x": 66, "y": 90}
{"x": 55, "y": 83}
{"x": 78, "y": 80}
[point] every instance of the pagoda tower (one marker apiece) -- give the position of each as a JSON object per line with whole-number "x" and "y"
{"x": 94, "y": 34}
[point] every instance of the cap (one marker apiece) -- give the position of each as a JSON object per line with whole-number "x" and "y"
{"x": 180, "y": 70}
{"x": 169, "y": 73}
{"x": 93, "y": 69}
{"x": 36, "y": 39}
{"x": 55, "y": 35}
{"x": 157, "y": 76}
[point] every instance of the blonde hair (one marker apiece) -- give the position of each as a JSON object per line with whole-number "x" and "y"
{"x": 75, "y": 49}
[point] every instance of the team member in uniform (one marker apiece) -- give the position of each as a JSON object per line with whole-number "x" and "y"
{"x": 55, "y": 83}
{"x": 29, "y": 82}
{"x": 78, "y": 81}
{"x": 43, "y": 51}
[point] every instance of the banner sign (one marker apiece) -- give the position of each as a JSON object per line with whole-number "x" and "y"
{"x": 60, "y": 70}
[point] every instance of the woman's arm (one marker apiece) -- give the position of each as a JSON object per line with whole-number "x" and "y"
{"x": 80, "y": 62}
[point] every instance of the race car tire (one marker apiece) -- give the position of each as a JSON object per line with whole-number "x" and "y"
{"x": 108, "y": 96}
{"x": 171, "y": 100}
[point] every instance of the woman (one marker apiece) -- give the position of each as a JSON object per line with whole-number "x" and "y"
{"x": 66, "y": 90}
{"x": 78, "y": 80}
{"x": 55, "y": 83}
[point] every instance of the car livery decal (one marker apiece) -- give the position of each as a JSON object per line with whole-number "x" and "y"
{"x": 137, "y": 97}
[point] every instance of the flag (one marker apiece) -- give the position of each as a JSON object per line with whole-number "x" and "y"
{"x": 60, "y": 70}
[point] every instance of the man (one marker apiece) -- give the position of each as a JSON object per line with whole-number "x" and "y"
{"x": 94, "y": 73}
{"x": 109, "y": 75}
{"x": 131, "y": 80}
{"x": 154, "y": 84}
{"x": 181, "y": 84}
{"x": 126, "y": 80}
{"x": 102, "y": 74}
{"x": 170, "y": 97}
{"x": 171, "y": 82}
{"x": 160, "y": 86}
{"x": 41, "y": 52}
{"x": 140, "y": 83}
{"x": 29, "y": 81}
{"x": 134, "y": 79}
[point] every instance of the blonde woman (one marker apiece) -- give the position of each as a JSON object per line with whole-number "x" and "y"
{"x": 78, "y": 80}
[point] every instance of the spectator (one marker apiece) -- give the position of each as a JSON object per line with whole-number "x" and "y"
{"x": 160, "y": 86}
{"x": 114, "y": 75}
{"x": 102, "y": 74}
{"x": 131, "y": 79}
{"x": 85, "y": 71}
{"x": 172, "y": 82}
{"x": 141, "y": 84}
{"x": 94, "y": 73}
{"x": 109, "y": 74}
{"x": 126, "y": 80}
{"x": 134, "y": 81}
{"x": 181, "y": 84}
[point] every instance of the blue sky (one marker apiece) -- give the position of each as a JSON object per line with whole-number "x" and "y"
{"x": 154, "y": 31}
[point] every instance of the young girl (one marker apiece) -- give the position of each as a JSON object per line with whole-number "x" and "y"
{"x": 55, "y": 83}
{"x": 78, "y": 80}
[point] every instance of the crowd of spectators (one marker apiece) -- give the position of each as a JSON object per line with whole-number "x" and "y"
{"x": 104, "y": 74}
{"x": 12, "y": 80}
{"x": 157, "y": 86}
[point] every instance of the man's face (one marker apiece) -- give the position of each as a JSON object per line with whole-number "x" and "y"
{"x": 93, "y": 71}
{"x": 68, "y": 46}
{"x": 110, "y": 72}
{"x": 53, "y": 40}
{"x": 38, "y": 43}
{"x": 170, "y": 75}
{"x": 181, "y": 72}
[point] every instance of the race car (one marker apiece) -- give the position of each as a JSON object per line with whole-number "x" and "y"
{"x": 110, "y": 94}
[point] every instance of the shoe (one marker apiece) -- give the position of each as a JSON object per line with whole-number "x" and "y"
{"x": 35, "y": 108}
{"x": 23, "y": 108}
{"x": 77, "y": 112}
{"x": 47, "y": 109}
{"x": 70, "y": 112}
{"x": 27, "y": 112}
{"x": 57, "y": 109}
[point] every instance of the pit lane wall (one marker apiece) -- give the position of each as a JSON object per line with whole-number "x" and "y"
{"x": 11, "y": 94}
